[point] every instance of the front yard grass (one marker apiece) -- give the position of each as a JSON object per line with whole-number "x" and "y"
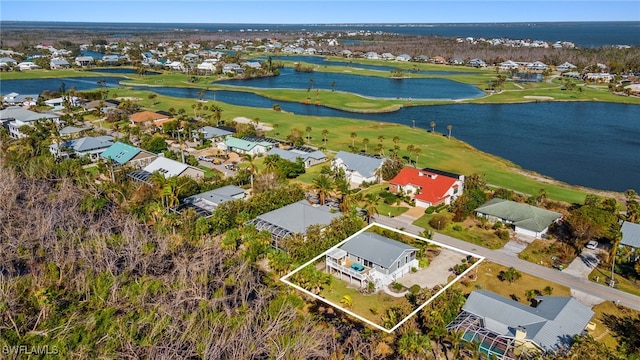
{"x": 603, "y": 272}
{"x": 468, "y": 231}
{"x": 542, "y": 251}
{"x": 371, "y": 307}
{"x": 487, "y": 279}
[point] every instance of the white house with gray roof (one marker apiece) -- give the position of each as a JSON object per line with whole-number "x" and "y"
{"x": 507, "y": 329}
{"x": 369, "y": 257}
{"x": 293, "y": 219}
{"x": 358, "y": 168}
{"x": 205, "y": 203}
{"x": 168, "y": 168}
{"x": 630, "y": 234}
{"x": 87, "y": 146}
{"x": 526, "y": 219}
{"x": 15, "y": 117}
{"x": 310, "y": 157}
{"x": 210, "y": 133}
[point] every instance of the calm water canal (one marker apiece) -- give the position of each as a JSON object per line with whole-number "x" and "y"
{"x": 584, "y": 143}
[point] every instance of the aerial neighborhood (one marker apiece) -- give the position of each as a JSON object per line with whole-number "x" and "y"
{"x": 401, "y": 229}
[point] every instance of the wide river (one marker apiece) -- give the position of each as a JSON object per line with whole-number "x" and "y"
{"x": 592, "y": 144}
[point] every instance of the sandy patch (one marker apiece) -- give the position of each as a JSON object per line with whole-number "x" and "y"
{"x": 259, "y": 126}
{"x": 538, "y": 97}
{"x": 130, "y": 98}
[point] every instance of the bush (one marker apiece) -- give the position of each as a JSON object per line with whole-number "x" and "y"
{"x": 439, "y": 222}
{"x": 503, "y": 234}
{"x": 415, "y": 289}
{"x": 457, "y": 227}
{"x": 430, "y": 210}
{"x": 396, "y": 286}
{"x": 497, "y": 225}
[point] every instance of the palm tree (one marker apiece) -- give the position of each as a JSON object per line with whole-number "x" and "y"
{"x": 325, "y": 132}
{"x": 353, "y": 139}
{"x": 370, "y": 206}
{"x": 410, "y": 149}
{"x": 365, "y": 141}
{"x": 616, "y": 238}
{"x": 271, "y": 163}
{"x": 308, "y": 130}
{"x": 417, "y": 151}
{"x": 380, "y": 140}
{"x": 333, "y": 86}
{"x": 449, "y": 127}
{"x": 252, "y": 167}
{"x": 323, "y": 186}
{"x": 433, "y": 127}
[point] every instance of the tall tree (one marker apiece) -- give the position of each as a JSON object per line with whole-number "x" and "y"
{"x": 353, "y": 139}
{"x": 449, "y": 127}
{"x": 323, "y": 185}
{"x": 433, "y": 127}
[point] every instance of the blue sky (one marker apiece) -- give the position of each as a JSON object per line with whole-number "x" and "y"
{"x": 325, "y": 12}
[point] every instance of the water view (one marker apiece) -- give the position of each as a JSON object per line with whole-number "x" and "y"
{"x": 584, "y": 143}
{"x": 379, "y": 87}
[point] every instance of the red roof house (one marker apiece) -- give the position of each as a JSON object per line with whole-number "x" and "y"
{"x": 428, "y": 187}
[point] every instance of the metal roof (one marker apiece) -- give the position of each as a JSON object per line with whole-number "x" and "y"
{"x": 24, "y": 115}
{"x": 376, "y": 248}
{"x": 166, "y": 167}
{"x": 292, "y": 154}
{"x": 362, "y": 164}
{"x": 550, "y": 325}
{"x": 120, "y": 152}
{"x": 296, "y": 217}
{"x": 630, "y": 234}
{"x": 522, "y": 215}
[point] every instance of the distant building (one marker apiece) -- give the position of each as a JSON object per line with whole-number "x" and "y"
{"x": 88, "y": 146}
{"x": 15, "y": 117}
{"x": 309, "y": 157}
{"x": 168, "y": 168}
{"x": 205, "y": 203}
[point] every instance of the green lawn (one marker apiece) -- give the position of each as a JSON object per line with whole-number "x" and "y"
{"x": 469, "y": 232}
{"x": 601, "y": 273}
{"x": 487, "y": 279}
{"x": 362, "y": 304}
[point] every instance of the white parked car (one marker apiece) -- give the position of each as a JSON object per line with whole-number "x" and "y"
{"x": 592, "y": 245}
{"x": 205, "y": 158}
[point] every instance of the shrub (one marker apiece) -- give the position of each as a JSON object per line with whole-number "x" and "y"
{"x": 457, "y": 227}
{"x": 503, "y": 234}
{"x": 396, "y": 286}
{"x": 497, "y": 225}
{"x": 430, "y": 210}
{"x": 423, "y": 263}
{"x": 415, "y": 289}
{"x": 439, "y": 221}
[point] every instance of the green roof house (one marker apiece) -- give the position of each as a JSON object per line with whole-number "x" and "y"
{"x": 122, "y": 154}
{"x": 526, "y": 219}
{"x": 242, "y": 146}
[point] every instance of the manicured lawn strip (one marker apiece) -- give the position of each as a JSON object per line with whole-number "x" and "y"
{"x": 362, "y": 304}
{"x": 437, "y": 151}
{"x": 488, "y": 272}
{"x": 603, "y": 271}
{"x": 469, "y": 233}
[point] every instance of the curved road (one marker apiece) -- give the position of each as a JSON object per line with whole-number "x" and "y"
{"x": 571, "y": 281}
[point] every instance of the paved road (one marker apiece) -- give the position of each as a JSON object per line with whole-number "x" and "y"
{"x": 506, "y": 259}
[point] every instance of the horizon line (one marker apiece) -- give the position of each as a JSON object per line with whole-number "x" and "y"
{"x": 317, "y": 23}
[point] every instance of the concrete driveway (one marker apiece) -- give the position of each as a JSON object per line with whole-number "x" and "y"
{"x": 436, "y": 273}
{"x": 584, "y": 263}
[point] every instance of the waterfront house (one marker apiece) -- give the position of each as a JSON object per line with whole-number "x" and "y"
{"x": 27, "y": 65}
{"x": 428, "y": 187}
{"x": 526, "y": 219}
{"x": 83, "y": 61}
{"x": 477, "y": 63}
{"x": 630, "y": 235}
{"x": 372, "y": 258}
{"x": 309, "y": 156}
{"x": 509, "y": 65}
{"x": 358, "y": 168}
{"x": 403, "y": 57}
{"x": 293, "y": 219}
{"x": 59, "y": 64}
{"x": 506, "y": 329}
{"x": 566, "y": 66}
{"x": 7, "y": 62}
{"x": 537, "y": 66}
{"x": 13, "y": 98}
